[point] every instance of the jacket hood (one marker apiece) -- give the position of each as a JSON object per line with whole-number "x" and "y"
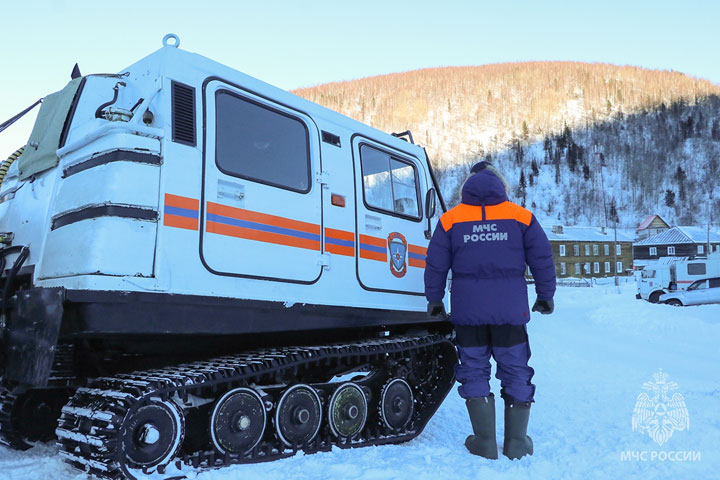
{"x": 483, "y": 188}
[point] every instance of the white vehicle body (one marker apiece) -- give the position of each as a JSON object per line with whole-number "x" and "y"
{"x": 128, "y": 209}
{"x": 698, "y": 293}
{"x": 669, "y": 274}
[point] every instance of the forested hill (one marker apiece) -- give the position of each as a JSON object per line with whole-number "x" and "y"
{"x": 562, "y": 132}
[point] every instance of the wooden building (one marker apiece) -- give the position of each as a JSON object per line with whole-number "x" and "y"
{"x": 652, "y": 225}
{"x": 585, "y": 252}
{"x": 690, "y": 242}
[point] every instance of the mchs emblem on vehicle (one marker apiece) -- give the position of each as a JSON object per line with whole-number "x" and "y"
{"x": 660, "y": 411}
{"x": 398, "y": 253}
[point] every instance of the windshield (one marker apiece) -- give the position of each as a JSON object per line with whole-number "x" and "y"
{"x": 698, "y": 285}
{"x": 648, "y": 274}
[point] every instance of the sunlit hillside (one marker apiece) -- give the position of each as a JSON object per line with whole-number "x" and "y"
{"x": 645, "y": 123}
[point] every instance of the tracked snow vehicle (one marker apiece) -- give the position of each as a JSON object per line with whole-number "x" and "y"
{"x": 203, "y": 268}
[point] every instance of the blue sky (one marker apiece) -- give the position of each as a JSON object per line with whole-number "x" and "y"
{"x": 293, "y": 44}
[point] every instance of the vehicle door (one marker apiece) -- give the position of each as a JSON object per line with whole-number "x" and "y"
{"x": 261, "y": 212}
{"x": 696, "y": 293}
{"x": 714, "y": 290}
{"x": 389, "y": 213}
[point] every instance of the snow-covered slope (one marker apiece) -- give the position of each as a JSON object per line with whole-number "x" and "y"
{"x": 583, "y": 136}
{"x": 591, "y": 360}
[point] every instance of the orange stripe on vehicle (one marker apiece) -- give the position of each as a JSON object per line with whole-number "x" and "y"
{"x": 382, "y": 257}
{"x": 264, "y": 218}
{"x": 417, "y": 249}
{"x": 416, "y": 263}
{"x": 339, "y": 234}
{"x": 340, "y": 249}
{"x": 180, "y": 222}
{"x": 182, "y": 202}
{"x": 378, "y": 242}
{"x": 250, "y": 234}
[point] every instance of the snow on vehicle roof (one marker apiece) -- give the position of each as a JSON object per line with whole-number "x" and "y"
{"x": 681, "y": 234}
{"x": 586, "y": 234}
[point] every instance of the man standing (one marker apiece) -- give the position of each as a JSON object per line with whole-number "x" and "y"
{"x": 486, "y": 241}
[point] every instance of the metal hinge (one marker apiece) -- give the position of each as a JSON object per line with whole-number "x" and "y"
{"x": 322, "y": 178}
{"x": 324, "y": 260}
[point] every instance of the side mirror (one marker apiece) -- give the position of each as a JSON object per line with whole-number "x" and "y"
{"x": 429, "y": 211}
{"x": 430, "y": 203}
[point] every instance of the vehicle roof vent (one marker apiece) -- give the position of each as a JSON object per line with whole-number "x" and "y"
{"x": 183, "y": 114}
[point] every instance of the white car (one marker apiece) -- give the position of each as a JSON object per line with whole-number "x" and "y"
{"x": 700, "y": 292}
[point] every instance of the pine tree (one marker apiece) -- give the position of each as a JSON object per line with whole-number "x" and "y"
{"x": 557, "y": 174}
{"x": 525, "y": 130}
{"x": 669, "y": 198}
{"x": 572, "y": 156}
{"x": 534, "y": 167}
{"x": 715, "y": 130}
{"x": 522, "y": 188}
{"x": 586, "y": 172}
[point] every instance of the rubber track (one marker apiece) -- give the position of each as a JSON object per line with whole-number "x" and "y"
{"x": 89, "y": 428}
{"x": 8, "y": 435}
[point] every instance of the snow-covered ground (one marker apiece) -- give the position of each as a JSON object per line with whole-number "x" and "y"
{"x": 591, "y": 360}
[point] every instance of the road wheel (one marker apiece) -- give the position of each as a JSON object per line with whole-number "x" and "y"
{"x": 655, "y": 297}
{"x": 674, "y": 302}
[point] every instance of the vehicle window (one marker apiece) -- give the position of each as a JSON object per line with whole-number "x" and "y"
{"x": 389, "y": 183}
{"x": 696, "y": 269}
{"x": 261, "y": 144}
{"x": 648, "y": 273}
{"x": 715, "y": 283}
{"x": 699, "y": 285}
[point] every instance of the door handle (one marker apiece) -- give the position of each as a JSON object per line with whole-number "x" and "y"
{"x": 373, "y": 223}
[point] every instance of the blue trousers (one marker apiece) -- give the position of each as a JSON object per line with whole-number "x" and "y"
{"x": 508, "y": 345}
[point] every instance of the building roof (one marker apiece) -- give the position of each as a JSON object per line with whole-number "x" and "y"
{"x": 648, "y": 220}
{"x": 586, "y": 234}
{"x": 679, "y": 235}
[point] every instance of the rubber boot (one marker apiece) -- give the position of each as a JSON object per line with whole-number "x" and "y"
{"x": 517, "y": 442}
{"x": 482, "y": 417}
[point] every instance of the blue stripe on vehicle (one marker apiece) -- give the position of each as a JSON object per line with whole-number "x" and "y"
{"x": 212, "y": 217}
{"x": 416, "y": 256}
{"x": 337, "y": 241}
{"x": 181, "y": 212}
{"x": 373, "y": 248}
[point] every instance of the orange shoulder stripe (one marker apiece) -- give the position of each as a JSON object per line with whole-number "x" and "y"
{"x": 508, "y": 211}
{"x": 473, "y": 213}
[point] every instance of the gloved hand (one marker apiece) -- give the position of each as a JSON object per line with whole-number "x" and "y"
{"x": 436, "y": 308}
{"x": 545, "y": 307}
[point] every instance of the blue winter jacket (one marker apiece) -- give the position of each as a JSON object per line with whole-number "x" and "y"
{"x": 486, "y": 241}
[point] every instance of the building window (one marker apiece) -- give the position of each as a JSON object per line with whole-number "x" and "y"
{"x": 596, "y": 267}
{"x": 701, "y": 249}
{"x": 576, "y": 251}
{"x": 563, "y": 270}
{"x": 577, "y": 268}
{"x": 587, "y": 268}
{"x": 562, "y": 251}
{"x": 596, "y": 250}
{"x": 618, "y": 249}
{"x": 671, "y": 250}
{"x": 607, "y": 267}
{"x": 618, "y": 267}
{"x": 653, "y": 251}
{"x": 587, "y": 250}
{"x": 606, "y": 249}
{"x": 261, "y": 144}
